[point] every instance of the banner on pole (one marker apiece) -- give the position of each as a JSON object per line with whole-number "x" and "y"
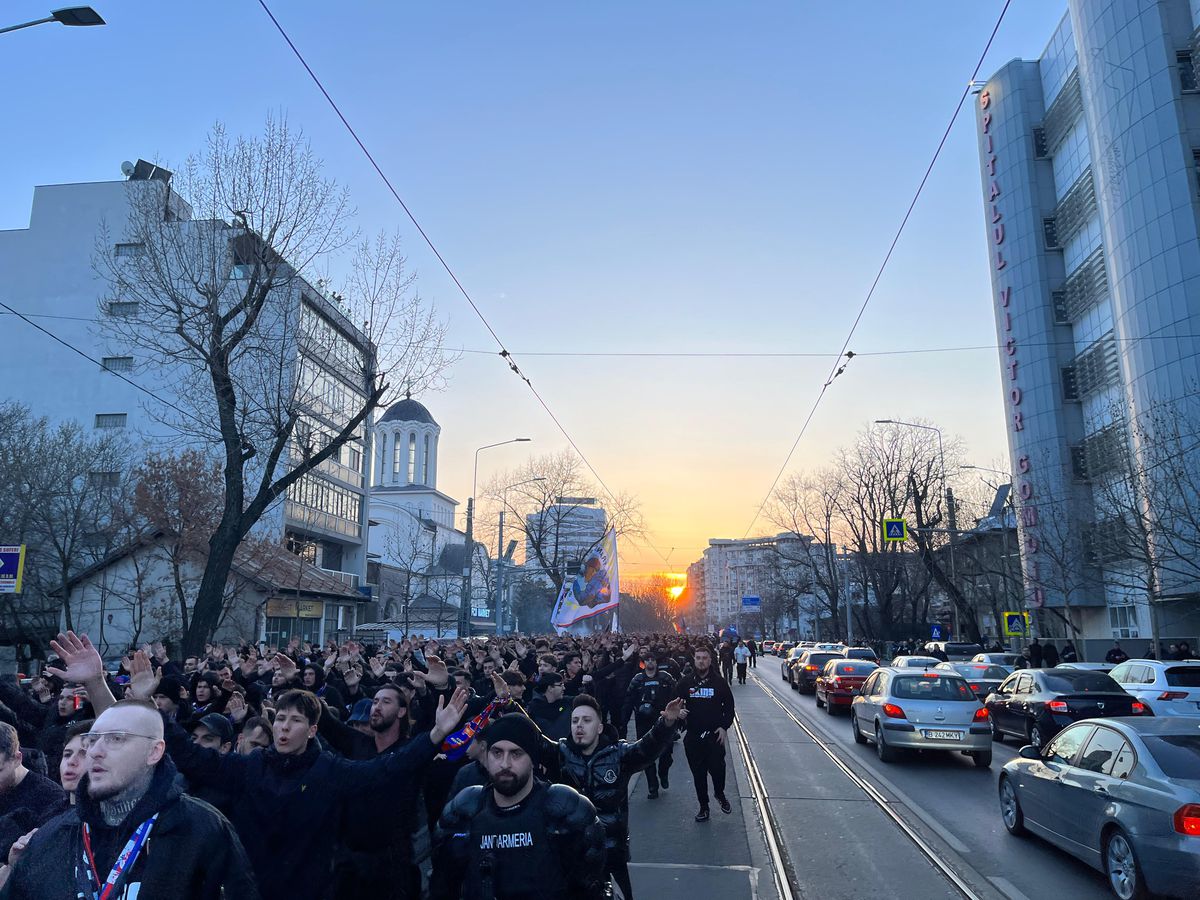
{"x": 595, "y": 590}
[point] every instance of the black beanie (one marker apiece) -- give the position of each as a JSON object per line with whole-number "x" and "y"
{"x": 516, "y": 729}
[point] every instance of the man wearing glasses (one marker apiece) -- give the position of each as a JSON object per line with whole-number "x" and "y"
{"x": 133, "y": 832}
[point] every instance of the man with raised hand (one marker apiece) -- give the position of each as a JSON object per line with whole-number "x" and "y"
{"x": 133, "y": 833}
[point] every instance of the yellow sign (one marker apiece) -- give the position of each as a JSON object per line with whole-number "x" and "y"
{"x": 895, "y": 530}
{"x": 12, "y": 568}
{"x": 1016, "y": 624}
{"x": 295, "y": 609}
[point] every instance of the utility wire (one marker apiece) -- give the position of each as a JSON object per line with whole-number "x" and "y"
{"x": 504, "y": 353}
{"x": 835, "y": 371}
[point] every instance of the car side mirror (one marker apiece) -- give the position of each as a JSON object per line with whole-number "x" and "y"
{"x": 857, "y": 692}
{"x": 1029, "y": 752}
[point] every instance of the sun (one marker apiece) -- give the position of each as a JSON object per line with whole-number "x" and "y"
{"x": 675, "y": 591}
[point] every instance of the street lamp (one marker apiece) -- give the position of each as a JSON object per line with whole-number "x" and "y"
{"x": 464, "y": 612}
{"x": 987, "y": 469}
{"x": 949, "y": 493}
{"x": 500, "y": 552}
{"x": 74, "y": 16}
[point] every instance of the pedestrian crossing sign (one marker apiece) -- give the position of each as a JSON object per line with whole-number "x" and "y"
{"x": 1016, "y": 624}
{"x": 895, "y": 530}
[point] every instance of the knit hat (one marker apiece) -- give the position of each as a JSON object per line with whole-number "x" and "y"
{"x": 515, "y": 729}
{"x": 171, "y": 688}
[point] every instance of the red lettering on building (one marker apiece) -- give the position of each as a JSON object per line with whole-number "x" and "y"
{"x": 994, "y": 191}
{"x": 1015, "y": 396}
{"x": 998, "y": 234}
{"x": 1010, "y": 347}
{"x": 1018, "y": 422}
{"x": 1029, "y": 516}
{"x": 1005, "y": 297}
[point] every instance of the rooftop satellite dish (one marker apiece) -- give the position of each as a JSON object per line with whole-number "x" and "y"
{"x": 127, "y": 168}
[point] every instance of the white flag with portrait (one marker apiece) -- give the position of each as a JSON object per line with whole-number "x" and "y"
{"x": 595, "y": 590}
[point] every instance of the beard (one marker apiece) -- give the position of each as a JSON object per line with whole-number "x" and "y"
{"x": 509, "y": 784}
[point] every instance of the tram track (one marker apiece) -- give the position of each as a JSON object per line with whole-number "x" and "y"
{"x": 784, "y": 872}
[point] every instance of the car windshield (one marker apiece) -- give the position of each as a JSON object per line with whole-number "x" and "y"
{"x": 860, "y": 653}
{"x": 1178, "y": 755}
{"x": 853, "y": 668}
{"x": 1079, "y": 681}
{"x": 916, "y": 662}
{"x": 1184, "y": 676}
{"x": 931, "y": 687}
{"x": 819, "y": 659}
{"x": 963, "y": 649}
{"x": 994, "y": 673}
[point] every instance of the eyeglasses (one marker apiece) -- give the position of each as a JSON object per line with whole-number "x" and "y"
{"x": 110, "y": 740}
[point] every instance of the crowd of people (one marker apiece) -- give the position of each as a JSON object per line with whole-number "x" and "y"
{"x": 306, "y": 771}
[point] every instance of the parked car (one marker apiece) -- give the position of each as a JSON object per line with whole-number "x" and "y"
{"x": 904, "y": 709}
{"x": 792, "y": 655}
{"x": 804, "y": 670}
{"x": 1036, "y": 704}
{"x": 838, "y": 681}
{"x": 1168, "y": 688}
{"x": 954, "y": 650}
{"x": 1087, "y": 667}
{"x": 1120, "y": 794}
{"x": 914, "y": 662}
{"x": 829, "y": 647}
{"x": 861, "y": 653}
{"x": 1008, "y": 660}
{"x": 982, "y": 677}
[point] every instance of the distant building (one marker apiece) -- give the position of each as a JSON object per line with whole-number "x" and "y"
{"x": 776, "y": 570}
{"x": 564, "y": 532}
{"x": 1090, "y": 161}
{"x": 49, "y": 276}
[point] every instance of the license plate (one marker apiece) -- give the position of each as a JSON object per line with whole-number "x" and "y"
{"x": 943, "y": 735}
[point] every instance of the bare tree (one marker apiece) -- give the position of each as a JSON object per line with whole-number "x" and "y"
{"x": 208, "y": 291}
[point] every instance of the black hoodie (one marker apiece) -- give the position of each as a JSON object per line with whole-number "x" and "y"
{"x": 192, "y": 852}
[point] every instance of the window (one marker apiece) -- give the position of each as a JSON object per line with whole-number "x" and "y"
{"x": 1108, "y": 753}
{"x": 1183, "y": 676}
{"x": 932, "y": 687}
{"x": 395, "y": 455}
{"x": 1040, "y": 151}
{"x": 1064, "y": 747}
{"x": 1070, "y": 386}
{"x": 123, "y": 308}
{"x": 104, "y": 479}
{"x": 1079, "y": 681}
{"x": 425, "y": 464}
{"x": 1187, "y": 72}
{"x": 1024, "y": 685}
{"x": 1123, "y": 621}
{"x": 412, "y": 458}
{"x": 1196, "y": 168}
{"x": 117, "y": 363}
{"x": 1050, "y": 234}
{"x": 1178, "y": 755}
{"x": 129, "y": 250}
{"x": 111, "y": 420}
{"x": 1059, "y": 300}
{"x": 354, "y": 458}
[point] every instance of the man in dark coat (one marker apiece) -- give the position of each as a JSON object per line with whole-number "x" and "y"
{"x": 27, "y": 799}
{"x": 710, "y": 715}
{"x": 1049, "y": 656}
{"x": 1035, "y": 654}
{"x": 182, "y": 848}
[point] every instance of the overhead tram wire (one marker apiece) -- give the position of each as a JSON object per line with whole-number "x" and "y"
{"x": 504, "y": 353}
{"x": 834, "y": 370}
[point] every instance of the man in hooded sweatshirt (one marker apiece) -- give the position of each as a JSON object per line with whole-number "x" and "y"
{"x": 133, "y": 828}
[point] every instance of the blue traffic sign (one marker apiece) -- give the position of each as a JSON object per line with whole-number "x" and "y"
{"x": 751, "y": 602}
{"x": 935, "y": 632}
{"x": 895, "y": 530}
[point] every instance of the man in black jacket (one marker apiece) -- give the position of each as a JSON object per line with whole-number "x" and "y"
{"x": 521, "y": 837}
{"x": 550, "y": 710}
{"x": 648, "y": 695}
{"x": 27, "y": 799}
{"x": 181, "y": 848}
{"x": 710, "y": 715}
{"x": 600, "y": 768}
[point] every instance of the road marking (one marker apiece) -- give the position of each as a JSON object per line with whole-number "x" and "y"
{"x": 881, "y": 801}
{"x": 1007, "y": 888}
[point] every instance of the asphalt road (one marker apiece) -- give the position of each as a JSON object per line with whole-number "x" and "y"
{"x": 952, "y": 804}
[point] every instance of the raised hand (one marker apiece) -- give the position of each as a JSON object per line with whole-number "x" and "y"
{"x": 286, "y": 665}
{"x": 501, "y": 687}
{"x": 249, "y": 665}
{"x": 142, "y": 677}
{"x": 675, "y": 711}
{"x": 353, "y": 677}
{"x": 438, "y": 676}
{"x": 448, "y": 715}
{"x": 81, "y": 661}
{"x": 236, "y": 707}
{"x": 377, "y": 667}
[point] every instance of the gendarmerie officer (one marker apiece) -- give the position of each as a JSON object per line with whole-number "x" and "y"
{"x": 648, "y": 695}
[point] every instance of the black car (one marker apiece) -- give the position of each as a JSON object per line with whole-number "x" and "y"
{"x": 1035, "y": 704}
{"x": 861, "y": 653}
{"x": 803, "y": 671}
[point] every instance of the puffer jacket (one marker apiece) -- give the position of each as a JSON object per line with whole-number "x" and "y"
{"x": 603, "y": 777}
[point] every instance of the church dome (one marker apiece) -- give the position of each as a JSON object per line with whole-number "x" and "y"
{"x": 407, "y": 410}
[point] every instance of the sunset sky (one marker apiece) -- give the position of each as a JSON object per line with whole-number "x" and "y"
{"x": 620, "y": 178}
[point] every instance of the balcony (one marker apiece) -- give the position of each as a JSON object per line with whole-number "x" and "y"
{"x": 350, "y": 579}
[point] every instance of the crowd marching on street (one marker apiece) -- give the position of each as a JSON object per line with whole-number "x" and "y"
{"x": 311, "y": 771}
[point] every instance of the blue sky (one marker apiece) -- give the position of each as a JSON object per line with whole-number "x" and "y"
{"x": 644, "y": 177}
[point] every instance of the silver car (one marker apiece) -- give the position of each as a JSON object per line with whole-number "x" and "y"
{"x": 1123, "y": 795}
{"x": 914, "y": 662}
{"x": 910, "y": 709}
